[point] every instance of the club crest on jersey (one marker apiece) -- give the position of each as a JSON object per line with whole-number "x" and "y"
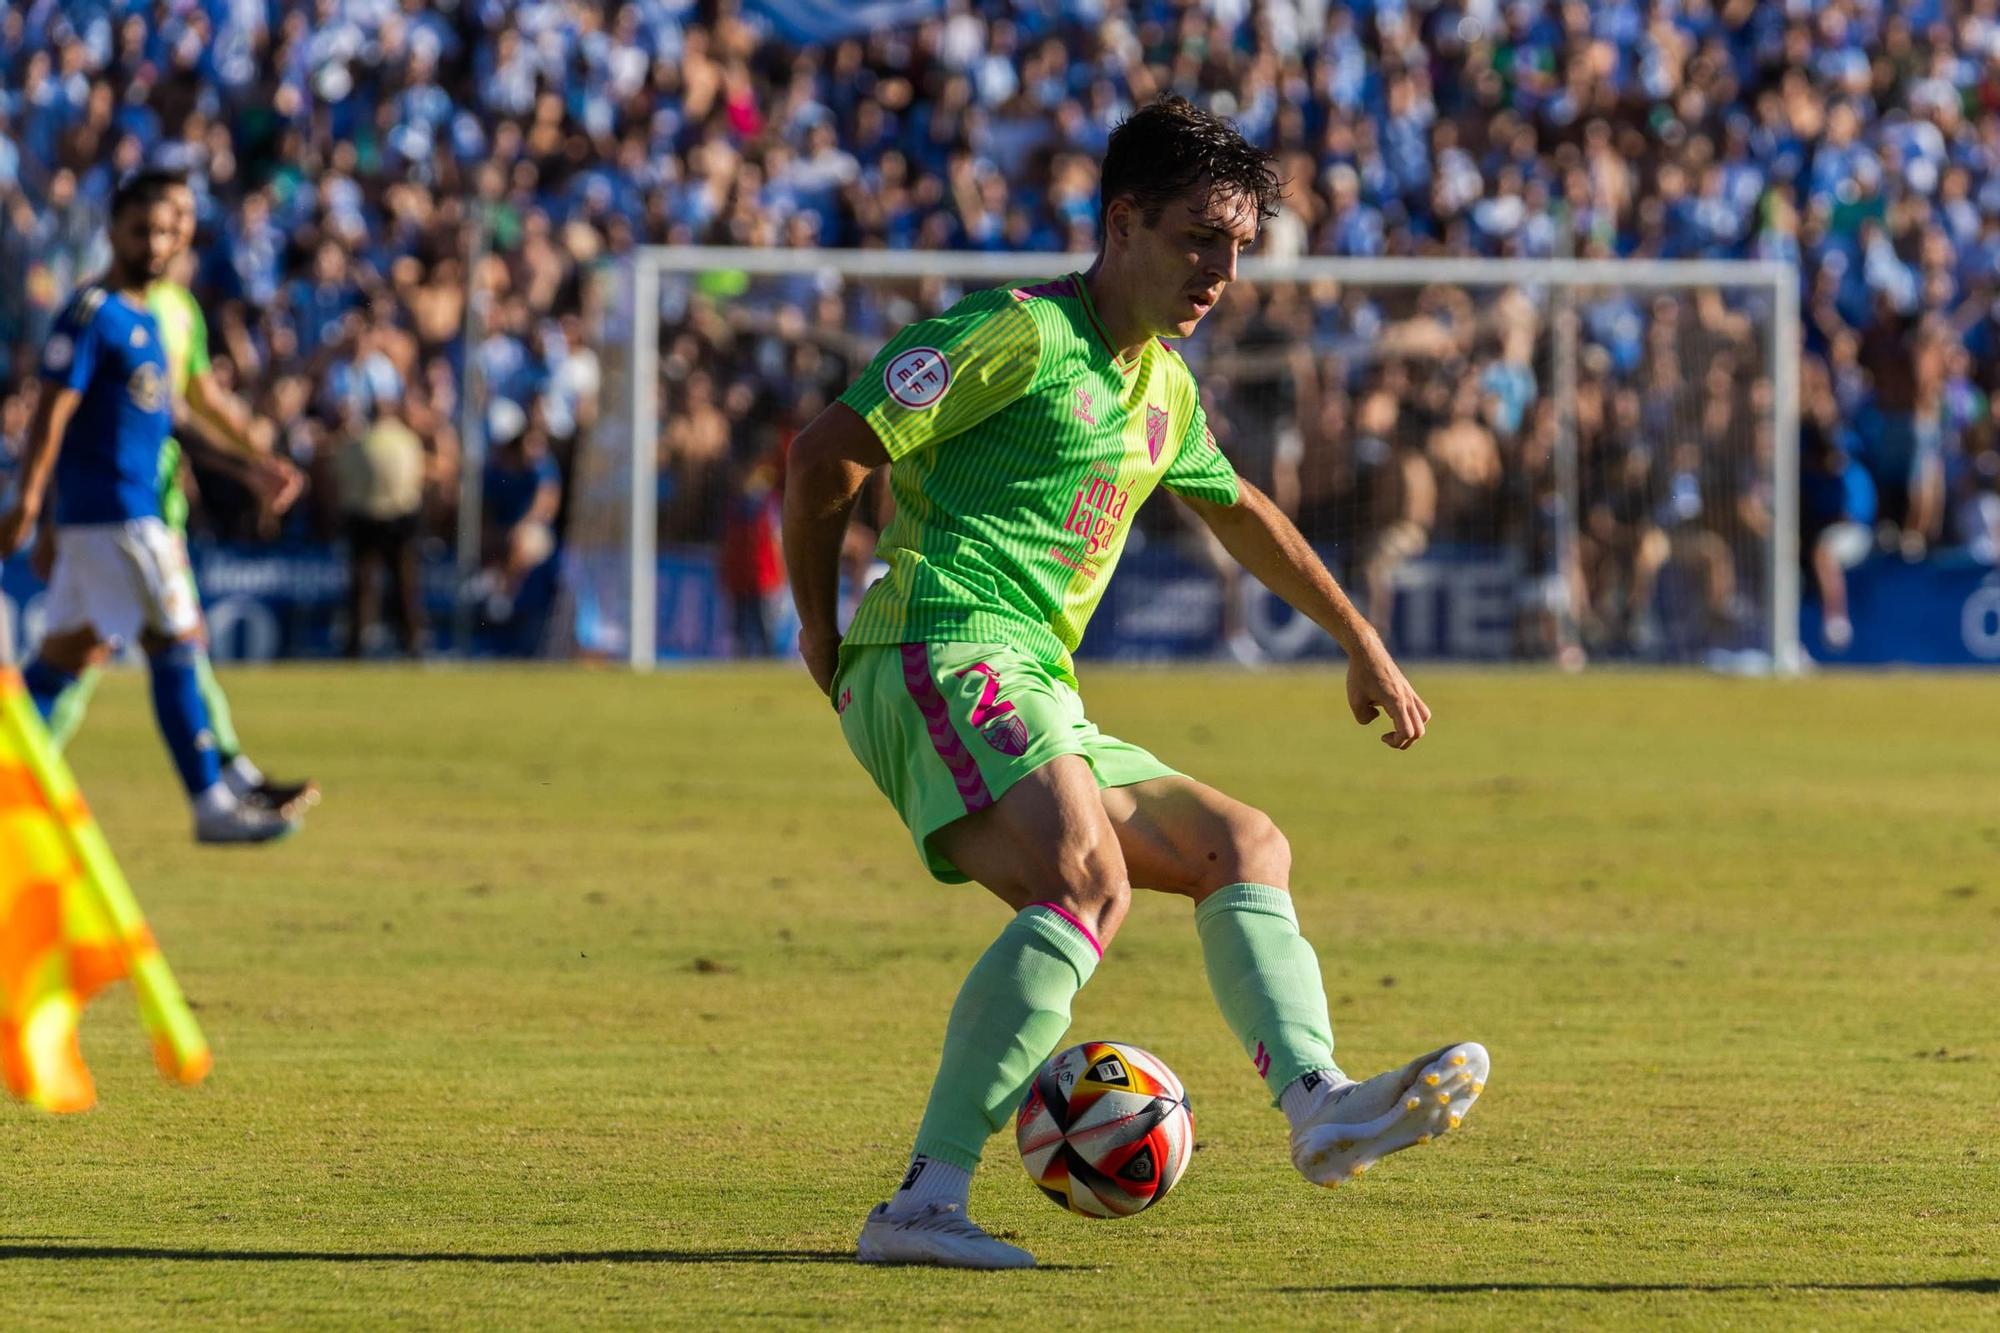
{"x": 917, "y": 378}
{"x": 1083, "y": 411}
{"x": 1095, "y": 513}
{"x": 146, "y": 389}
{"x": 138, "y": 336}
{"x": 1156, "y": 431}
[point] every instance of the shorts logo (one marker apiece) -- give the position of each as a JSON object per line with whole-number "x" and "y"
{"x": 1009, "y": 735}
{"x": 917, "y": 378}
{"x": 1156, "y": 431}
{"x": 846, "y": 698}
{"x": 56, "y": 356}
{"x": 995, "y": 717}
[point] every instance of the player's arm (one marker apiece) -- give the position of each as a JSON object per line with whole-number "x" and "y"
{"x": 223, "y": 417}
{"x": 825, "y": 470}
{"x": 45, "y": 435}
{"x": 1257, "y": 533}
{"x": 936, "y": 379}
{"x": 69, "y": 360}
{"x": 227, "y": 420}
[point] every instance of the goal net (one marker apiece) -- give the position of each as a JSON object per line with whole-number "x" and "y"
{"x": 1551, "y": 461}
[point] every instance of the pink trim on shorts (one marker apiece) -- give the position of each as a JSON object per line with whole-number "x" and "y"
{"x": 917, "y": 678}
{"x": 1081, "y": 929}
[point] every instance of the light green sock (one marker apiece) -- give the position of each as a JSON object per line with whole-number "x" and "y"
{"x": 227, "y": 747}
{"x": 1266, "y": 981}
{"x": 71, "y": 705}
{"x": 1009, "y": 1015}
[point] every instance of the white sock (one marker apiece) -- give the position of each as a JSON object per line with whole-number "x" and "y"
{"x": 215, "y": 800}
{"x": 1308, "y": 1092}
{"x": 930, "y": 1181}
{"x": 242, "y": 776}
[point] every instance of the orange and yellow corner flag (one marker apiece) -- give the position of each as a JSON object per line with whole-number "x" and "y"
{"x": 69, "y": 926}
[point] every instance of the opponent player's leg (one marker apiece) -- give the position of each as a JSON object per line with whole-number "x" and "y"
{"x": 62, "y": 674}
{"x": 1046, "y": 849}
{"x": 243, "y": 776}
{"x": 1180, "y": 836}
{"x": 154, "y": 564}
{"x": 66, "y": 715}
{"x": 72, "y": 648}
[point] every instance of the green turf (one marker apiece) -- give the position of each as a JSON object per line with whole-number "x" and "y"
{"x": 588, "y": 999}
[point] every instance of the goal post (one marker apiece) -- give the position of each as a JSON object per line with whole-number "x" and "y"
{"x": 1638, "y": 516}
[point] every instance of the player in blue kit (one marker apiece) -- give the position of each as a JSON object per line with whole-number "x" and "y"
{"x": 120, "y": 572}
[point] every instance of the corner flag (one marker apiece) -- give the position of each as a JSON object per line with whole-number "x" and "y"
{"x": 69, "y": 926}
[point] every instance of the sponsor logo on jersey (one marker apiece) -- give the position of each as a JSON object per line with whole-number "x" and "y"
{"x": 1156, "y": 431}
{"x": 917, "y": 378}
{"x": 1095, "y": 513}
{"x": 1085, "y": 408}
{"x": 57, "y": 355}
{"x": 148, "y": 393}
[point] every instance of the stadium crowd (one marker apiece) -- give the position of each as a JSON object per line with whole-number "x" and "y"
{"x": 345, "y": 153}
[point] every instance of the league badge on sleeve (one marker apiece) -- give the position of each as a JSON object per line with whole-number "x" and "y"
{"x": 917, "y": 378}
{"x": 59, "y": 351}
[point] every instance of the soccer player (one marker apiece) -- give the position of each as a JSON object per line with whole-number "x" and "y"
{"x": 1023, "y": 428}
{"x": 103, "y": 417}
{"x": 222, "y": 417}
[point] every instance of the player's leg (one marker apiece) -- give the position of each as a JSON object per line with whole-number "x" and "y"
{"x": 154, "y": 563}
{"x": 243, "y": 776}
{"x": 72, "y": 647}
{"x": 992, "y": 790}
{"x": 62, "y": 674}
{"x": 1180, "y": 836}
{"x": 66, "y": 715}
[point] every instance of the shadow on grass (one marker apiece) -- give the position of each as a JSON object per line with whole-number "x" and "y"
{"x": 1978, "y": 1286}
{"x": 669, "y": 1257}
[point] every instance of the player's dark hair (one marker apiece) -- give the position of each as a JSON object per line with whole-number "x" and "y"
{"x": 145, "y": 188}
{"x": 1159, "y": 153}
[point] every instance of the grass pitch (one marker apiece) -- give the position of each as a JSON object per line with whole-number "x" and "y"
{"x": 590, "y": 1000}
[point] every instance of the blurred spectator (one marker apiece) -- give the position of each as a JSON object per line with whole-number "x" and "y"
{"x": 351, "y": 156}
{"x": 380, "y": 466}
{"x": 523, "y": 492}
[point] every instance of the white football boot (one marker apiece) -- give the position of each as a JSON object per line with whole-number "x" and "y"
{"x": 241, "y": 822}
{"x": 1361, "y": 1122}
{"x": 937, "y": 1233}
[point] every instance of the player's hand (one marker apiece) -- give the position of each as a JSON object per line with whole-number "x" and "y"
{"x": 278, "y": 484}
{"x": 15, "y": 525}
{"x": 1376, "y": 685}
{"x": 42, "y": 555}
{"x": 822, "y": 656}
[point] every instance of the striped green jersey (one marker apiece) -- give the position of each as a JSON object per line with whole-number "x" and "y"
{"x": 184, "y": 338}
{"x": 1020, "y": 451}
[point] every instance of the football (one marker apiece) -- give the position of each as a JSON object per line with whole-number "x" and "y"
{"x": 1105, "y": 1129}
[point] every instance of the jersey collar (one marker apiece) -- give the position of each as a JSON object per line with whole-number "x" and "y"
{"x": 1090, "y": 309}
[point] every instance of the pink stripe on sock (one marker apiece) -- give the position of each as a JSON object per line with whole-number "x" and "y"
{"x": 958, "y": 760}
{"x": 1081, "y": 929}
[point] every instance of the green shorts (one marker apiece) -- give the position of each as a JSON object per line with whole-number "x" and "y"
{"x": 946, "y": 728}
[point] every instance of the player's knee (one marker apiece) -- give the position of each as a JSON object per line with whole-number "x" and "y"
{"x": 73, "y": 651}
{"x": 1087, "y": 874}
{"x": 1254, "y": 851}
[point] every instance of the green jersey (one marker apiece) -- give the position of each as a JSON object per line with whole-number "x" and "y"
{"x": 1020, "y": 451}
{"x": 184, "y": 339}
